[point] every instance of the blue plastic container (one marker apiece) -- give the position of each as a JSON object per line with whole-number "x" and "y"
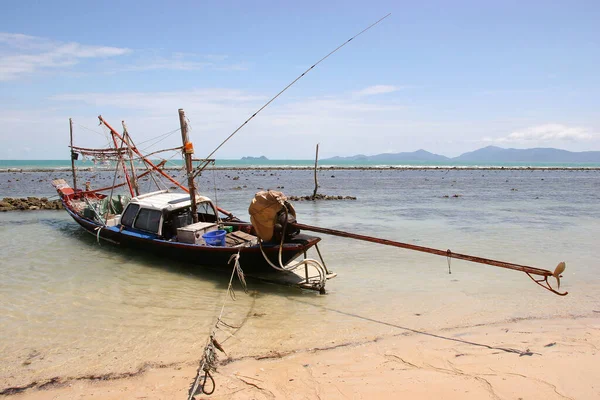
{"x": 215, "y": 238}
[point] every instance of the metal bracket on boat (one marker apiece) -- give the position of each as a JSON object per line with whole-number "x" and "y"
{"x": 560, "y": 268}
{"x": 546, "y": 285}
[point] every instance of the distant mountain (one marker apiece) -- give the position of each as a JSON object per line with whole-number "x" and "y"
{"x": 498, "y": 154}
{"x": 486, "y": 154}
{"x": 419, "y": 155}
{"x": 358, "y": 157}
{"x": 261, "y": 158}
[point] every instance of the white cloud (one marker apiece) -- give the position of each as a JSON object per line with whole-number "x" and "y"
{"x": 206, "y": 100}
{"x": 232, "y": 67}
{"x": 546, "y": 133}
{"x": 290, "y": 126}
{"x": 22, "y": 55}
{"x": 23, "y": 42}
{"x": 377, "y": 89}
{"x": 161, "y": 63}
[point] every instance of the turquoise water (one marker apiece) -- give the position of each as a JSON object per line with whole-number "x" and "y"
{"x": 66, "y": 164}
{"x": 70, "y": 307}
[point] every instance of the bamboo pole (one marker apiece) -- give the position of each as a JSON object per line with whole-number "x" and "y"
{"x": 447, "y": 253}
{"x": 188, "y": 151}
{"x": 72, "y": 155}
{"x": 134, "y": 181}
{"x": 121, "y": 160}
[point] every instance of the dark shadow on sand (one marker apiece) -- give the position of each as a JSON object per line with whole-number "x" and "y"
{"x": 521, "y": 353}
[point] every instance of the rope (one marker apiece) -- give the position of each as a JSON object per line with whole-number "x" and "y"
{"x": 210, "y": 359}
{"x": 99, "y": 228}
{"x": 214, "y": 173}
{"x": 158, "y": 151}
{"x": 290, "y": 267}
{"x": 151, "y": 173}
{"x": 111, "y": 192}
{"x": 321, "y": 270}
{"x": 294, "y": 81}
{"x": 159, "y": 136}
{"x": 91, "y": 130}
{"x": 105, "y": 130}
{"x": 159, "y": 176}
{"x": 160, "y": 139}
{"x": 154, "y": 180}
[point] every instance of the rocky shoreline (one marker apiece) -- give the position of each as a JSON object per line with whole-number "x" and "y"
{"x": 331, "y": 168}
{"x": 320, "y": 197}
{"x": 29, "y": 204}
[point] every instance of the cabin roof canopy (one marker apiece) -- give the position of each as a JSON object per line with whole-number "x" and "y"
{"x": 164, "y": 200}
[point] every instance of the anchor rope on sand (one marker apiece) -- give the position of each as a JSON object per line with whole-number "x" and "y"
{"x": 208, "y": 362}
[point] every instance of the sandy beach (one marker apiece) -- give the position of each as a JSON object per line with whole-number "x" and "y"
{"x": 516, "y": 359}
{"x": 394, "y": 324}
{"x": 433, "y": 234}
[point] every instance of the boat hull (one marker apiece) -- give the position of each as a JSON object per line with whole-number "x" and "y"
{"x": 251, "y": 258}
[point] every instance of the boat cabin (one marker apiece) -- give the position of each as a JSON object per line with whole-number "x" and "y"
{"x": 162, "y": 213}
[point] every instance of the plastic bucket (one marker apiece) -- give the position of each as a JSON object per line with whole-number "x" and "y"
{"x": 215, "y": 238}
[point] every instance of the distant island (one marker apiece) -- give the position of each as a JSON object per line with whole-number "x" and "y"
{"x": 486, "y": 154}
{"x": 261, "y": 158}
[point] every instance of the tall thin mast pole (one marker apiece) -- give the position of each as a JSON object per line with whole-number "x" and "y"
{"x": 72, "y": 155}
{"x": 134, "y": 181}
{"x": 188, "y": 150}
{"x": 121, "y": 161}
{"x": 155, "y": 167}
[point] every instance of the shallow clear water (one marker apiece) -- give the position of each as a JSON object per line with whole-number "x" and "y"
{"x": 69, "y": 307}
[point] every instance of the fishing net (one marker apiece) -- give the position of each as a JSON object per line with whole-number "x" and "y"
{"x": 116, "y": 205}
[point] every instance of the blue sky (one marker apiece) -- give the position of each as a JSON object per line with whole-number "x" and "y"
{"x": 448, "y": 77}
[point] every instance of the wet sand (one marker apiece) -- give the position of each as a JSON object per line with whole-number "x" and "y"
{"x": 517, "y": 359}
{"x": 552, "y": 213}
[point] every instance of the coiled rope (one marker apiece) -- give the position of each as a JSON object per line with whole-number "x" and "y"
{"x": 321, "y": 270}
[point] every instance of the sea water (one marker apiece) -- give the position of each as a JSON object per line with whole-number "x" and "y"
{"x": 47, "y": 165}
{"x": 71, "y": 307}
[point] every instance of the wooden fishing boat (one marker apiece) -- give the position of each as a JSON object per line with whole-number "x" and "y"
{"x": 182, "y": 225}
{"x": 261, "y": 247}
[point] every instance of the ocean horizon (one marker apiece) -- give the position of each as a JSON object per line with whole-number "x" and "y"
{"x": 50, "y": 165}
